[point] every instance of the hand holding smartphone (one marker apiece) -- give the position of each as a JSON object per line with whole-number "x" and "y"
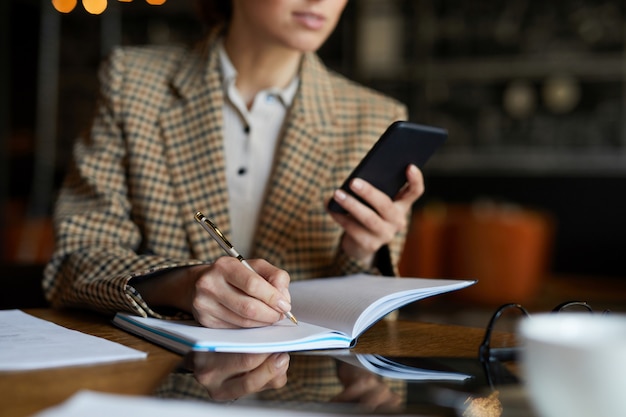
{"x": 384, "y": 166}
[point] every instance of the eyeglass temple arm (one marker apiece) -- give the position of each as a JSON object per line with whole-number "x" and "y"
{"x": 484, "y": 348}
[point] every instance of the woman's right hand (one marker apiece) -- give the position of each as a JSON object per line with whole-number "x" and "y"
{"x": 227, "y": 294}
{"x": 224, "y": 294}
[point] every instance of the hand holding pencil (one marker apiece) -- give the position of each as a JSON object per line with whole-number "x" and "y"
{"x": 270, "y": 293}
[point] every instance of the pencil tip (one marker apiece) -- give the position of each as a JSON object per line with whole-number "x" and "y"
{"x": 292, "y": 317}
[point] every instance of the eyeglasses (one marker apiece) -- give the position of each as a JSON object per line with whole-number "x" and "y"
{"x": 492, "y": 357}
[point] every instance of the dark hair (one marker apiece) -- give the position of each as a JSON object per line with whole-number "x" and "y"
{"x": 214, "y": 13}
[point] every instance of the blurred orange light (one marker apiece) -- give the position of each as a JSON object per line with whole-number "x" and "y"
{"x": 64, "y": 6}
{"x": 95, "y": 6}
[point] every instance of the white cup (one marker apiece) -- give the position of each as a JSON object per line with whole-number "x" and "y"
{"x": 574, "y": 364}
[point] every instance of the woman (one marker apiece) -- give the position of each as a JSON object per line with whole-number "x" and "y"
{"x": 160, "y": 148}
{"x": 249, "y": 128}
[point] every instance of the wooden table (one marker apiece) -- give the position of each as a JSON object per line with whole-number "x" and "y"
{"x": 24, "y": 393}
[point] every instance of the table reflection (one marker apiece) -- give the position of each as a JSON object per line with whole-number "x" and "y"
{"x": 337, "y": 382}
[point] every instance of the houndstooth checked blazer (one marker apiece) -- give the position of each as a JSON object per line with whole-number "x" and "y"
{"x": 153, "y": 156}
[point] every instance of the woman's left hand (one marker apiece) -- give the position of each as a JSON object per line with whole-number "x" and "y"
{"x": 368, "y": 229}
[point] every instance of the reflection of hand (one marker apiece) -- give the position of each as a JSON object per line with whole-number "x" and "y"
{"x": 365, "y": 388}
{"x": 368, "y": 229}
{"x": 228, "y": 376}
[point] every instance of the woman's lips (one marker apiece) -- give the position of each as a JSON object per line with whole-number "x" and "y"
{"x": 310, "y": 20}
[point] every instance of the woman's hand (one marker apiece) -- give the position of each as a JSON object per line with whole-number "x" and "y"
{"x": 229, "y": 376}
{"x": 368, "y": 229}
{"x": 227, "y": 294}
{"x": 224, "y": 294}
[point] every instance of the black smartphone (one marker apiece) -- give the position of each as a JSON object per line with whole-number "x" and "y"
{"x": 384, "y": 166}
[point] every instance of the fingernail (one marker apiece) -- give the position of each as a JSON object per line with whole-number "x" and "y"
{"x": 284, "y": 305}
{"x": 357, "y": 184}
{"x": 281, "y": 360}
{"x": 413, "y": 169}
{"x": 340, "y": 195}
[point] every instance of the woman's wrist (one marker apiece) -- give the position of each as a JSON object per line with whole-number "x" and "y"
{"x": 173, "y": 288}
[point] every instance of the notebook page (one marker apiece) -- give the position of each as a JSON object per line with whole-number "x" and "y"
{"x": 183, "y": 336}
{"x": 338, "y": 302}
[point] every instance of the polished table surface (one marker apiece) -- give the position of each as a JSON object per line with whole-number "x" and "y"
{"x": 26, "y": 392}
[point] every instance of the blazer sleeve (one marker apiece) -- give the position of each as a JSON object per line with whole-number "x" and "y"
{"x": 97, "y": 244}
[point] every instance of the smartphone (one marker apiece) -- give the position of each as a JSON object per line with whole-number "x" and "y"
{"x": 384, "y": 166}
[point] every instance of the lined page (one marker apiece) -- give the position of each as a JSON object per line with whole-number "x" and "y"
{"x": 339, "y": 302}
{"x": 183, "y": 336}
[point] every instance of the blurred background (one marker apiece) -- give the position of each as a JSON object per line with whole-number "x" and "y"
{"x": 528, "y": 195}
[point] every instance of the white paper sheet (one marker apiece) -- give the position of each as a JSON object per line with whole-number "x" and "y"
{"x": 94, "y": 404}
{"x": 27, "y": 342}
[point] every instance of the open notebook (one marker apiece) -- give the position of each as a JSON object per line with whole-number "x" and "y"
{"x": 332, "y": 313}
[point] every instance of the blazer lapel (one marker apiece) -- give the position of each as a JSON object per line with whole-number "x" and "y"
{"x": 302, "y": 163}
{"x": 193, "y": 133}
{"x": 192, "y": 130}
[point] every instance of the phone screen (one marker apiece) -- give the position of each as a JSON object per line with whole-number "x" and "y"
{"x": 384, "y": 166}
